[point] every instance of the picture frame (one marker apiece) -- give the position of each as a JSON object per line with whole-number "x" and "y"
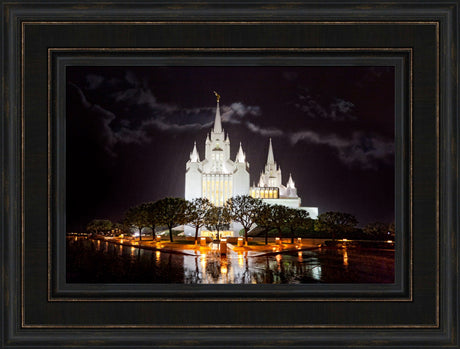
{"x": 40, "y": 309}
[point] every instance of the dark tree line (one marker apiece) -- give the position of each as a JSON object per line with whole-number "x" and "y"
{"x": 249, "y": 212}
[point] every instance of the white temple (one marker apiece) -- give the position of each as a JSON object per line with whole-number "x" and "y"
{"x": 218, "y": 178}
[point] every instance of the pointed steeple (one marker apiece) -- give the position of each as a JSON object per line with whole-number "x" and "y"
{"x": 240, "y": 157}
{"x": 290, "y": 183}
{"x": 217, "y": 120}
{"x": 194, "y": 156}
{"x": 270, "y": 158}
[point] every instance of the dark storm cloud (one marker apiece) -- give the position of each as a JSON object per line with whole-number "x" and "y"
{"x": 126, "y": 135}
{"x": 290, "y": 76}
{"x": 176, "y": 120}
{"x": 94, "y": 81}
{"x": 236, "y": 111}
{"x": 137, "y": 96}
{"x": 164, "y": 126}
{"x": 338, "y": 109}
{"x": 153, "y": 115}
{"x": 98, "y": 121}
{"x": 360, "y": 149}
{"x": 357, "y": 150}
{"x": 267, "y": 132}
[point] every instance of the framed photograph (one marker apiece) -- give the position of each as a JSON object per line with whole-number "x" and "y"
{"x": 218, "y": 174}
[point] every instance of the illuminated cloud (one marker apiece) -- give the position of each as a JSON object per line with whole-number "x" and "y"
{"x": 268, "y": 132}
{"x": 361, "y": 149}
{"x": 338, "y": 109}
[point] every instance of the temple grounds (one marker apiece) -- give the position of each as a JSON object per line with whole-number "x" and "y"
{"x": 255, "y": 245}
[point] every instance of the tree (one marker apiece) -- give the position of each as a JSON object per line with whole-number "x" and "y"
{"x": 171, "y": 212}
{"x": 97, "y": 226}
{"x": 333, "y": 222}
{"x": 136, "y": 217}
{"x": 297, "y": 219}
{"x": 218, "y": 218}
{"x": 377, "y": 230}
{"x": 279, "y": 217}
{"x": 307, "y": 224}
{"x": 196, "y": 212}
{"x": 264, "y": 219}
{"x": 122, "y": 228}
{"x": 244, "y": 210}
{"x": 152, "y": 210}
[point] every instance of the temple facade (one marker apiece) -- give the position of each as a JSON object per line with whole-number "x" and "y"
{"x": 218, "y": 178}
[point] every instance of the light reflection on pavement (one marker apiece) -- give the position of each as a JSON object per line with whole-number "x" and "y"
{"x": 206, "y": 265}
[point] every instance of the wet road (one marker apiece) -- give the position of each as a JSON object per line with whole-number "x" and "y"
{"x": 322, "y": 265}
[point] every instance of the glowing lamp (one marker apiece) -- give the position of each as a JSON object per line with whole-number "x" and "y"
{"x": 223, "y": 246}
{"x": 203, "y": 241}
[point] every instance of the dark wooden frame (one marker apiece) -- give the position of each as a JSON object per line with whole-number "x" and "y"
{"x": 420, "y": 311}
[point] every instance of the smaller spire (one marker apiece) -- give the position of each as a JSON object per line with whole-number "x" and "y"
{"x": 207, "y": 139}
{"x": 290, "y": 183}
{"x": 240, "y": 157}
{"x": 270, "y": 158}
{"x": 194, "y": 156}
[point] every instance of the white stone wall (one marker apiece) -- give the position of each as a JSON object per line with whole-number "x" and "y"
{"x": 293, "y": 203}
{"x": 193, "y": 182}
{"x": 313, "y": 211}
{"x": 240, "y": 180}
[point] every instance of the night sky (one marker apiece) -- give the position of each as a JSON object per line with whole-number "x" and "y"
{"x": 130, "y": 131}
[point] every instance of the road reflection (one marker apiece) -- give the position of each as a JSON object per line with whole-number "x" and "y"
{"x": 207, "y": 265}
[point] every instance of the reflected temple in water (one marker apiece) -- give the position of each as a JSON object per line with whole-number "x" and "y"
{"x": 107, "y": 262}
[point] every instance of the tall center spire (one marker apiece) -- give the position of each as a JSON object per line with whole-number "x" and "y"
{"x": 217, "y": 121}
{"x": 270, "y": 158}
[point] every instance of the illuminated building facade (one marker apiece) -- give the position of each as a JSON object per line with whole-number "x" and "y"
{"x": 272, "y": 191}
{"x": 218, "y": 178}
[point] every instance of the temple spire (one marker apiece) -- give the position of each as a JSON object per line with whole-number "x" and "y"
{"x": 270, "y": 158}
{"x": 240, "y": 157}
{"x": 194, "y": 156}
{"x": 217, "y": 121}
{"x": 290, "y": 183}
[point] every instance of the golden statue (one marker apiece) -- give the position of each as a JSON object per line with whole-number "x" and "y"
{"x": 217, "y": 96}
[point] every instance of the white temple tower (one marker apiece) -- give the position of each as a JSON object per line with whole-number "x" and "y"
{"x": 216, "y": 177}
{"x": 193, "y": 176}
{"x": 271, "y": 190}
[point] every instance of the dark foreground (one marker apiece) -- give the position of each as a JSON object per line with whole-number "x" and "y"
{"x": 91, "y": 261}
